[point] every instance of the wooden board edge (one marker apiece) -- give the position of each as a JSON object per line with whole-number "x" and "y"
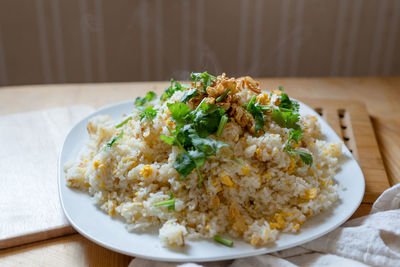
{"x": 36, "y": 236}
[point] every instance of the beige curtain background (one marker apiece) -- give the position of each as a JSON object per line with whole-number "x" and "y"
{"x": 70, "y": 41}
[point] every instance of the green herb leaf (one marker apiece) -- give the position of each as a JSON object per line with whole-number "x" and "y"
{"x": 206, "y": 118}
{"x": 192, "y": 128}
{"x": 174, "y": 87}
{"x": 123, "y": 122}
{"x": 223, "y": 241}
{"x": 168, "y": 139}
{"x": 238, "y": 160}
{"x": 170, "y": 203}
{"x": 295, "y": 135}
{"x": 189, "y": 94}
{"x": 257, "y": 111}
{"x": 114, "y": 139}
{"x": 305, "y": 157}
{"x": 179, "y": 112}
{"x": 222, "y": 97}
{"x": 286, "y": 119}
{"x": 287, "y": 116}
{"x": 184, "y": 164}
{"x": 205, "y": 78}
{"x": 148, "y": 113}
{"x": 221, "y": 126}
{"x": 199, "y": 157}
{"x": 289, "y": 104}
{"x": 140, "y": 101}
{"x": 209, "y": 147}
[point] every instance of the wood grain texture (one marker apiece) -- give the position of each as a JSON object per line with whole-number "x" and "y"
{"x": 351, "y": 122}
{"x": 387, "y": 133}
{"x": 73, "y": 250}
{"x": 380, "y": 95}
{"x": 29, "y": 202}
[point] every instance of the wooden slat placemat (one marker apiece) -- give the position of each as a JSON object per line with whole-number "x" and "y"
{"x": 351, "y": 122}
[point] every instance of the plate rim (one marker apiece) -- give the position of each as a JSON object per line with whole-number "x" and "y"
{"x": 258, "y": 250}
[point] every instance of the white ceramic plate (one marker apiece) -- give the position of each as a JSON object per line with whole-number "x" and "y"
{"x": 102, "y": 229}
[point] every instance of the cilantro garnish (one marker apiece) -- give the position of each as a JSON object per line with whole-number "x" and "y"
{"x": 287, "y": 103}
{"x": 170, "y": 203}
{"x": 207, "y": 118}
{"x": 205, "y": 78}
{"x": 184, "y": 164}
{"x": 287, "y": 116}
{"x": 189, "y": 94}
{"x": 141, "y": 101}
{"x": 305, "y": 157}
{"x": 295, "y": 135}
{"x": 148, "y": 113}
{"x": 168, "y": 139}
{"x": 174, "y": 87}
{"x": 190, "y": 135}
{"x": 179, "y": 112}
{"x": 257, "y": 110}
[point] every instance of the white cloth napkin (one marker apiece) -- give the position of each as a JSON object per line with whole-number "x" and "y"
{"x": 372, "y": 240}
{"x": 30, "y": 143}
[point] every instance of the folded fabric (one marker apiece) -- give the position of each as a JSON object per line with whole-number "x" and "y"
{"x": 30, "y": 145}
{"x": 372, "y": 240}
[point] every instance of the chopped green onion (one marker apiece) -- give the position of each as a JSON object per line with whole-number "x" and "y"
{"x": 222, "y": 97}
{"x": 200, "y": 183}
{"x": 123, "y": 122}
{"x": 113, "y": 140}
{"x": 170, "y": 203}
{"x": 266, "y": 107}
{"x": 223, "y": 241}
{"x": 238, "y": 160}
{"x": 221, "y": 126}
{"x": 201, "y": 103}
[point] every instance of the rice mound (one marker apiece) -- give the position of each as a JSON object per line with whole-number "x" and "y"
{"x": 265, "y": 192}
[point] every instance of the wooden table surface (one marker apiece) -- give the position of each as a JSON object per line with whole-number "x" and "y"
{"x": 381, "y": 96}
